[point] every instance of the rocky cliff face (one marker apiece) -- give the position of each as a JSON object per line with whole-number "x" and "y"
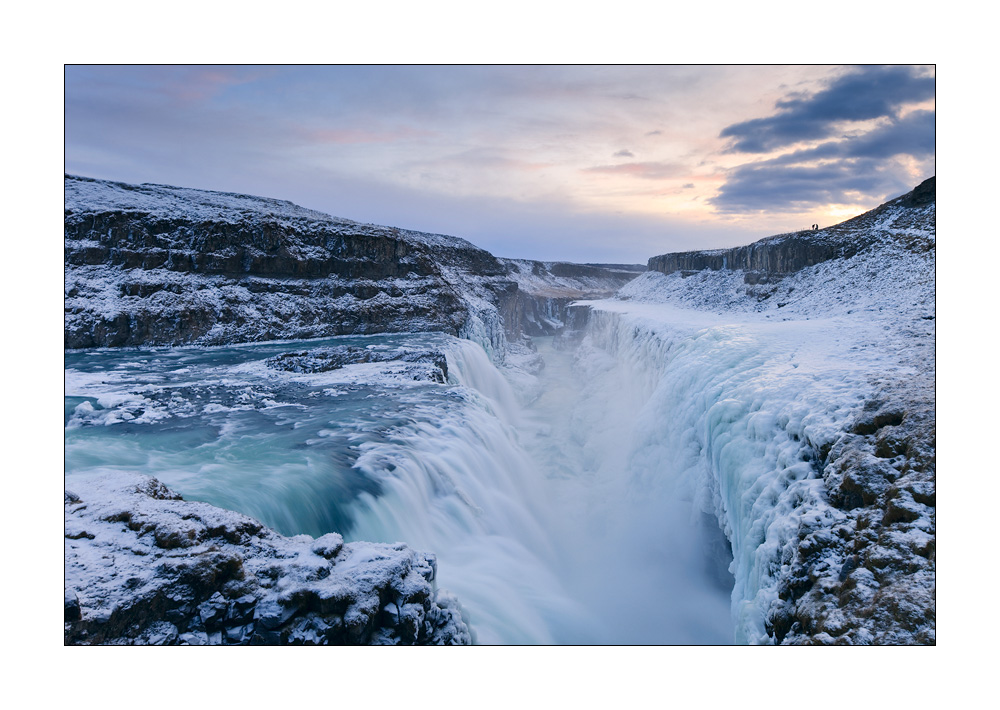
{"x": 870, "y": 578}
{"x": 787, "y": 253}
{"x": 144, "y": 567}
{"x": 155, "y": 265}
{"x": 541, "y": 305}
{"x": 158, "y": 265}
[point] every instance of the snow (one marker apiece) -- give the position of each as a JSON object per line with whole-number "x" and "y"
{"x": 130, "y": 539}
{"x": 87, "y": 196}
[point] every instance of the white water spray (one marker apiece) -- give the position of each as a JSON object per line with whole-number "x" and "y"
{"x": 534, "y": 519}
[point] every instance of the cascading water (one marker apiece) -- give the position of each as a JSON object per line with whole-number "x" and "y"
{"x": 735, "y": 422}
{"x": 542, "y": 518}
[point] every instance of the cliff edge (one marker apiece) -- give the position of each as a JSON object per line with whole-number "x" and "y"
{"x": 145, "y": 567}
{"x": 159, "y": 265}
{"x": 787, "y": 253}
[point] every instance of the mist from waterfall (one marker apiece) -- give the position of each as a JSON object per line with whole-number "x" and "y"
{"x": 541, "y": 514}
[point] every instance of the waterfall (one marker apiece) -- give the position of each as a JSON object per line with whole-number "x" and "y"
{"x": 646, "y": 496}
{"x": 533, "y": 516}
{"x": 733, "y": 425}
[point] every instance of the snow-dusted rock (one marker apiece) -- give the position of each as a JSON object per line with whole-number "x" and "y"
{"x": 144, "y": 566}
{"x": 773, "y": 257}
{"x": 426, "y": 365}
{"x": 159, "y": 265}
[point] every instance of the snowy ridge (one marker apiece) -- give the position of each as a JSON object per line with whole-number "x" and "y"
{"x": 902, "y": 220}
{"x": 88, "y": 195}
{"x": 159, "y": 265}
{"x": 85, "y": 195}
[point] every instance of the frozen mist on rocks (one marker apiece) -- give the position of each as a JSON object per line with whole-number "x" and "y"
{"x": 725, "y": 451}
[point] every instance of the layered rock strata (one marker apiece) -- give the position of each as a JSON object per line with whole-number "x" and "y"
{"x": 158, "y": 265}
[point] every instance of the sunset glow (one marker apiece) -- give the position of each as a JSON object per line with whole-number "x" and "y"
{"x": 584, "y": 163}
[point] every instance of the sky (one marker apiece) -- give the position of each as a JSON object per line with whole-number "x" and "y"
{"x": 577, "y": 163}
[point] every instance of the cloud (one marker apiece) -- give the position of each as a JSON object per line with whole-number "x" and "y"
{"x": 774, "y": 187}
{"x": 647, "y": 171}
{"x": 865, "y": 94}
{"x": 912, "y": 135}
{"x": 855, "y": 169}
{"x": 865, "y": 166}
{"x": 424, "y": 137}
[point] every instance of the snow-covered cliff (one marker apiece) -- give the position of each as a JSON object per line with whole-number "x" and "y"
{"x": 159, "y": 265}
{"x": 796, "y": 404}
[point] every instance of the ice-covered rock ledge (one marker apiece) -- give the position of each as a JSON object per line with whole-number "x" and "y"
{"x": 144, "y": 566}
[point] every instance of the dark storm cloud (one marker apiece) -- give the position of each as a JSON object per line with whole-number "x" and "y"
{"x": 771, "y": 186}
{"x": 869, "y": 93}
{"x": 855, "y": 169}
{"x": 851, "y": 168}
{"x": 912, "y": 135}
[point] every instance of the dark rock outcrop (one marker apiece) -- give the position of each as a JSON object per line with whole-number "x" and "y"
{"x": 923, "y": 194}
